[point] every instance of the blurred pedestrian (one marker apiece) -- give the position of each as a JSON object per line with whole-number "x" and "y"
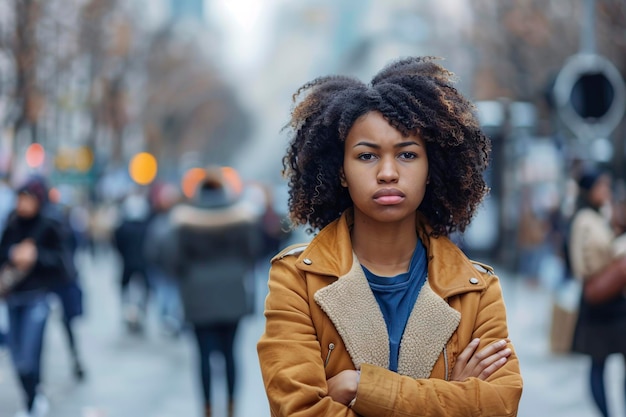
{"x": 213, "y": 244}
{"x": 129, "y": 237}
{"x": 69, "y": 291}
{"x": 275, "y": 225}
{"x": 7, "y": 205}
{"x": 531, "y": 238}
{"x": 381, "y": 314}
{"x": 163, "y": 196}
{"x": 600, "y": 263}
{"x": 32, "y": 243}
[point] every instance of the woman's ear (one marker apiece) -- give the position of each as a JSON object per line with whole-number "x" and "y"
{"x": 342, "y": 178}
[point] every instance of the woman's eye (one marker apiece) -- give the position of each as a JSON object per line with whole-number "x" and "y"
{"x": 366, "y": 156}
{"x": 408, "y": 155}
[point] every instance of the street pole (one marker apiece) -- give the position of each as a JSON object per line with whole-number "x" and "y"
{"x": 588, "y": 32}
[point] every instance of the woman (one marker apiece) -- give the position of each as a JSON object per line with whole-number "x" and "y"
{"x": 593, "y": 251}
{"x": 381, "y": 314}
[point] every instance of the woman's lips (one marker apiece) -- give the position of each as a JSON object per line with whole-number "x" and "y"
{"x": 388, "y": 196}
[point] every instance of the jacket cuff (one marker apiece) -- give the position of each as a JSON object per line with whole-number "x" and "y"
{"x": 368, "y": 400}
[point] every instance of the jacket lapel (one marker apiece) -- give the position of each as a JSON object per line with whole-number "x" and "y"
{"x": 431, "y": 324}
{"x": 351, "y": 306}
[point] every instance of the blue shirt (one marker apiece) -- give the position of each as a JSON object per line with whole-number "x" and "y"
{"x": 396, "y": 297}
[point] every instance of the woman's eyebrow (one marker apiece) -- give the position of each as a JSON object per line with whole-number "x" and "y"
{"x": 368, "y": 144}
{"x": 407, "y": 143}
{"x": 397, "y": 145}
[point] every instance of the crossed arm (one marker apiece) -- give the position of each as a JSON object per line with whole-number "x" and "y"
{"x": 343, "y": 386}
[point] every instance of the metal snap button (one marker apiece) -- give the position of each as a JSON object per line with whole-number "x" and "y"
{"x": 307, "y": 261}
{"x": 473, "y": 281}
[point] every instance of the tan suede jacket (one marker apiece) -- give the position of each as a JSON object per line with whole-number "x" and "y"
{"x": 322, "y": 318}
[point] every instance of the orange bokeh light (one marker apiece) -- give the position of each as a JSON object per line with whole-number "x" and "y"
{"x": 232, "y": 178}
{"x": 190, "y": 181}
{"x": 35, "y": 155}
{"x": 143, "y": 168}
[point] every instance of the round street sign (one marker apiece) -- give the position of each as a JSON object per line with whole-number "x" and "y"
{"x": 590, "y": 96}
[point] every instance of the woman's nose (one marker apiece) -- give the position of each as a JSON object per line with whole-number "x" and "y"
{"x": 388, "y": 171}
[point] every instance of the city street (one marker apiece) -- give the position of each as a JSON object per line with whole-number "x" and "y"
{"x": 154, "y": 375}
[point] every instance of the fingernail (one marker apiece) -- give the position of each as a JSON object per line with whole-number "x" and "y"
{"x": 506, "y": 351}
{"x": 476, "y": 340}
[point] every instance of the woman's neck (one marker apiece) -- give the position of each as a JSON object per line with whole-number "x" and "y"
{"x": 385, "y": 250}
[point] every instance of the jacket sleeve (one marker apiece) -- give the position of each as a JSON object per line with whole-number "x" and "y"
{"x": 50, "y": 249}
{"x": 290, "y": 353}
{"x": 168, "y": 252}
{"x": 382, "y": 393}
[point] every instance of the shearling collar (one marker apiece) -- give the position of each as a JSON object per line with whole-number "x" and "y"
{"x": 351, "y": 306}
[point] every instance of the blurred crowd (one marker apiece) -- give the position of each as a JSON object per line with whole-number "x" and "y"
{"x": 189, "y": 259}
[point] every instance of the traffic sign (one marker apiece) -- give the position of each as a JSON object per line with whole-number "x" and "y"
{"x": 590, "y": 96}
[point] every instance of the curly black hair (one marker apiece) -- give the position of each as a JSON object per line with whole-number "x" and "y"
{"x": 416, "y": 96}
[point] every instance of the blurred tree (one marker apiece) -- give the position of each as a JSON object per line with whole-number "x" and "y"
{"x": 27, "y": 101}
{"x": 189, "y": 107}
{"x": 106, "y": 39}
{"x": 87, "y": 72}
{"x": 45, "y": 85}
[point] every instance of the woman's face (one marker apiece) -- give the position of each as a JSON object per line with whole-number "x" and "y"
{"x": 385, "y": 173}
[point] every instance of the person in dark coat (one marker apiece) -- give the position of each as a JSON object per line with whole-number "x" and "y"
{"x": 7, "y": 205}
{"x": 166, "y": 293}
{"x": 69, "y": 291}
{"x": 214, "y": 242}
{"x": 129, "y": 238}
{"x": 32, "y": 243}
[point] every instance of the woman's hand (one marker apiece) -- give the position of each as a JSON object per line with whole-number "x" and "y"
{"x": 481, "y": 364}
{"x": 342, "y": 387}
